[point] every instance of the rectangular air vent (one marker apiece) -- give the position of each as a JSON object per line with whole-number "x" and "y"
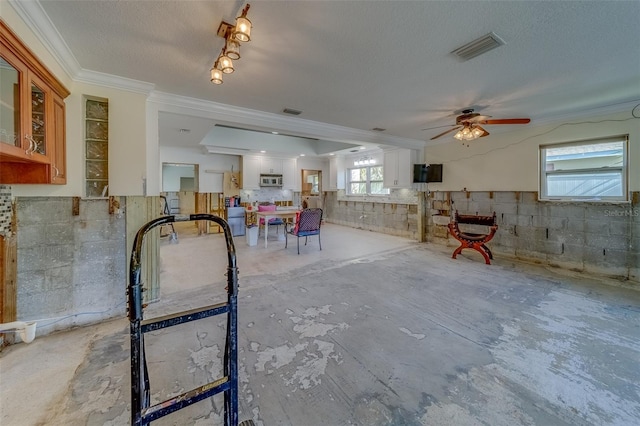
{"x": 291, "y": 111}
{"x": 478, "y": 47}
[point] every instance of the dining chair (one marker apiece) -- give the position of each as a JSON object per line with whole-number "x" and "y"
{"x": 276, "y": 221}
{"x": 307, "y": 223}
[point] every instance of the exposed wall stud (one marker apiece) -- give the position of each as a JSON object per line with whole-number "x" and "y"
{"x": 76, "y": 206}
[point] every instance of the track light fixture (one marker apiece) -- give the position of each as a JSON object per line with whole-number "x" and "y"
{"x": 232, "y": 35}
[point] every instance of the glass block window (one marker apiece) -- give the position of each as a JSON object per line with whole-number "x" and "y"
{"x": 96, "y": 147}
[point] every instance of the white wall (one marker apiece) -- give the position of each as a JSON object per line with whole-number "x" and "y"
{"x": 210, "y": 165}
{"x": 509, "y": 161}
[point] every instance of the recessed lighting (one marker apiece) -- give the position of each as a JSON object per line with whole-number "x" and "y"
{"x": 263, "y": 151}
{"x": 362, "y": 147}
{"x": 301, "y": 155}
{"x": 331, "y": 153}
{"x": 274, "y": 133}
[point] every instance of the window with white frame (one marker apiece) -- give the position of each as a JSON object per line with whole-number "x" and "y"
{"x": 366, "y": 180}
{"x": 592, "y": 170}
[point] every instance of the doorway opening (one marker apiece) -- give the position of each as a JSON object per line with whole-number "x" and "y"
{"x": 311, "y": 188}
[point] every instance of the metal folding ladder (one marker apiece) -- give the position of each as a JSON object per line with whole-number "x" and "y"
{"x": 142, "y": 412}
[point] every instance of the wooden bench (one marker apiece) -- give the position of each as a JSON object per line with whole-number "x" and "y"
{"x": 472, "y": 240}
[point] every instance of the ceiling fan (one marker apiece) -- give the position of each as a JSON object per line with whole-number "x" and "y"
{"x": 468, "y": 125}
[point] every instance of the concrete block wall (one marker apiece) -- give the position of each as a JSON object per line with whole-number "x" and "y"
{"x": 586, "y": 237}
{"x": 388, "y": 218}
{"x": 71, "y": 269}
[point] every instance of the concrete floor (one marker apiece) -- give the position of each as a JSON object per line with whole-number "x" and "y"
{"x": 372, "y": 330}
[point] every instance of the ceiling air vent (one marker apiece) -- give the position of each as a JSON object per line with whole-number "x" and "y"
{"x": 291, "y": 111}
{"x": 478, "y": 47}
{"x": 378, "y": 129}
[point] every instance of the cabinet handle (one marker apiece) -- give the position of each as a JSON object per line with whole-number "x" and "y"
{"x": 32, "y": 145}
{"x": 57, "y": 171}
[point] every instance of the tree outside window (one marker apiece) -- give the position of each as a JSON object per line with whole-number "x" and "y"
{"x": 367, "y": 181}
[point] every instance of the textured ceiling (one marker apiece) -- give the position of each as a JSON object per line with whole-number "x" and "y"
{"x": 367, "y": 64}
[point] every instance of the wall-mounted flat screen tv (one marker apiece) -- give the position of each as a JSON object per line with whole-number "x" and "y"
{"x": 424, "y": 173}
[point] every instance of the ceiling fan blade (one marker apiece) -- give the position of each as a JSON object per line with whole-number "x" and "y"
{"x": 506, "y": 121}
{"x": 438, "y": 127}
{"x": 444, "y": 133}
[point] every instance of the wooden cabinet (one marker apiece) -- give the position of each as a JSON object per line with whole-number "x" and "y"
{"x": 32, "y": 116}
{"x": 271, "y": 166}
{"x": 398, "y": 168}
{"x": 250, "y": 172}
{"x": 289, "y": 174}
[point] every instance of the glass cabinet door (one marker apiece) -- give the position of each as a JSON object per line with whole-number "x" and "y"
{"x": 38, "y": 121}
{"x": 9, "y": 104}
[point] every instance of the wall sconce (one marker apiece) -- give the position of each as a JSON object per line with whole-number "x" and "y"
{"x": 232, "y": 35}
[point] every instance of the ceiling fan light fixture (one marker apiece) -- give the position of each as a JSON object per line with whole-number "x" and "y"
{"x": 467, "y": 133}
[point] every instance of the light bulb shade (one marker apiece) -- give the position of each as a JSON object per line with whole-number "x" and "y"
{"x": 242, "y": 32}
{"x": 216, "y": 75}
{"x": 232, "y": 47}
{"x": 458, "y": 135}
{"x": 476, "y": 132}
{"x": 226, "y": 64}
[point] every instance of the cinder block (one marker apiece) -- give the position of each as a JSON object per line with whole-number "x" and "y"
{"x": 504, "y": 197}
{"x": 568, "y": 211}
{"x": 528, "y": 197}
{"x": 58, "y": 234}
{"x": 531, "y": 209}
{"x": 524, "y": 221}
{"x": 617, "y": 227}
{"x": 59, "y": 278}
{"x": 31, "y": 235}
{"x": 504, "y": 208}
{"x": 480, "y": 196}
{"x": 94, "y": 209}
{"x": 30, "y": 283}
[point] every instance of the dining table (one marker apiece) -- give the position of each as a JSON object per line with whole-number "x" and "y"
{"x": 281, "y": 212}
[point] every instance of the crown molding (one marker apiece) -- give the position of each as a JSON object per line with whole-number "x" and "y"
{"x": 250, "y": 117}
{"x": 38, "y": 21}
{"x": 114, "y": 82}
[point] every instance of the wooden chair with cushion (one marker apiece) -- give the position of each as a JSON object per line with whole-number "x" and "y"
{"x": 475, "y": 241}
{"x": 307, "y": 223}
